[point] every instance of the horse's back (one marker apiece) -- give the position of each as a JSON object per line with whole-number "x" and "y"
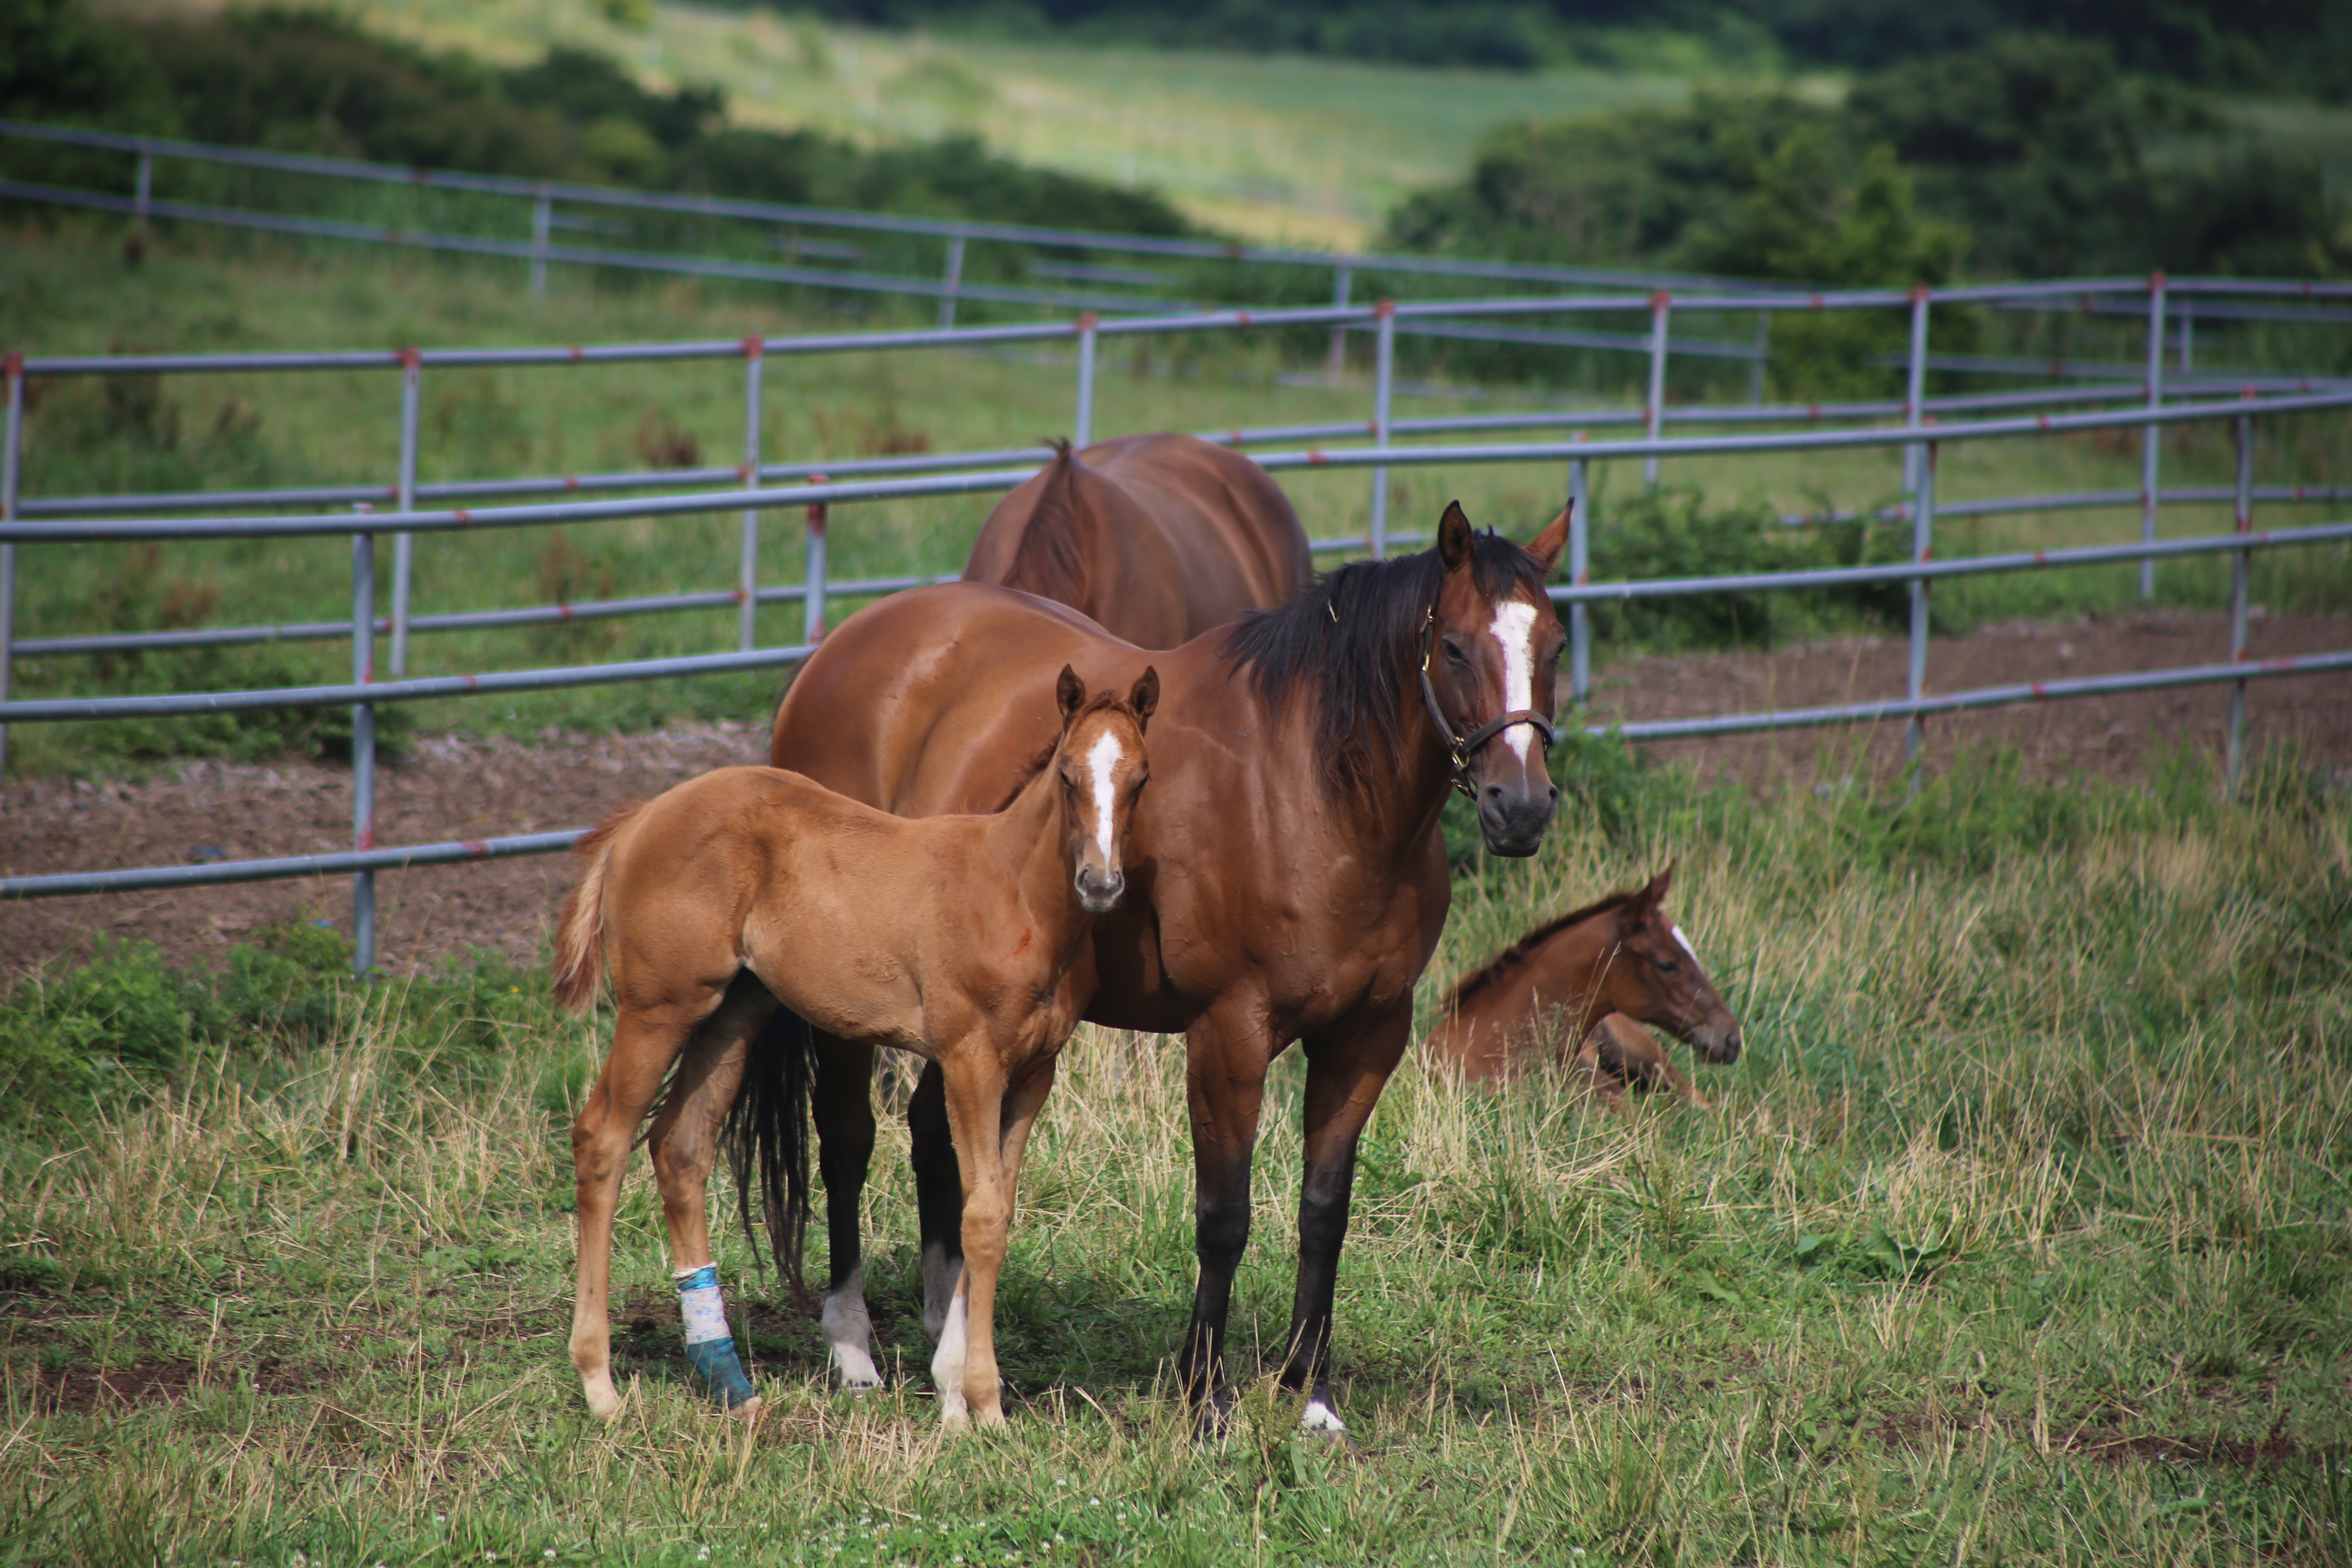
{"x": 1157, "y": 537}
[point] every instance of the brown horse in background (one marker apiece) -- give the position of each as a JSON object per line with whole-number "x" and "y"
{"x": 1549, "y": 995}
{"x": 956, "y": 938}
{"x": 1287, "y": 876}
{"x": 1156, "y": 538}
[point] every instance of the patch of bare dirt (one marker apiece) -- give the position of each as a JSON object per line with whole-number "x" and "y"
{"x": 2106, "y": 737}
{"x": 452, "y": 786}
{"x": 456, "y": 786}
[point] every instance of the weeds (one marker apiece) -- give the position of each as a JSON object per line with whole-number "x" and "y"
{"x": 2024, "y": 1230}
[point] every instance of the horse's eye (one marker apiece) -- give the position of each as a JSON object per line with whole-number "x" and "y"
{"x": 1453, "y": 652}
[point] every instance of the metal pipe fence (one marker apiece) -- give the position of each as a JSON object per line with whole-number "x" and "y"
{"x": 751, "y": 489}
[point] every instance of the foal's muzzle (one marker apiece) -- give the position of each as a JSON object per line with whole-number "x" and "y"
{"x": 1099, "y": 890}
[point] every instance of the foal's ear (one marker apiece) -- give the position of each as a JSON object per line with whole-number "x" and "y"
{"x": 1145, "y": 697}
{"x": 1071, "y": 692}
{"x": 1453, "y": 537}
{"x": 1545, "y": 546}
{"x": 1655, "y": 893}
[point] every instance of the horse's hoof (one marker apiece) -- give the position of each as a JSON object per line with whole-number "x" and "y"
{"x": 603, "y": 1400}
{"x": 1320, "y": 1420}
{"x": 748, "y": 1411}
{"x": 955, "y": 1420}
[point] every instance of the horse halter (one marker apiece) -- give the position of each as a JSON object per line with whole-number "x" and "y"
{"x": 1460, "y": 749}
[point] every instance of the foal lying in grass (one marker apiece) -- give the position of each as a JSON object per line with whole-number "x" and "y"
{"x": 1578, "y": 988}
{"x": 952, "y": 937}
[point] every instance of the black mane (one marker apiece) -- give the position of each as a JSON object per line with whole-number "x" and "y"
{"x": 1518, "y": 954}
{"x": 1345, "y": 641}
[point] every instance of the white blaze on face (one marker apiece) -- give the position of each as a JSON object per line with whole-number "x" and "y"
{"x": 1100, "y": 760}
{"x": 1686, "y": 946}
{"x": 1514, "y": 630}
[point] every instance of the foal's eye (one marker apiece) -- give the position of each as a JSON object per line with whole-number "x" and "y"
{"x": 1667, "y": 966}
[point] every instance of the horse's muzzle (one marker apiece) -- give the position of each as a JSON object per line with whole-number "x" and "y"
{"x": 1720, "y": 1045}
{"x": 1513, "y": 820}
{"x": 1098, "y": 890}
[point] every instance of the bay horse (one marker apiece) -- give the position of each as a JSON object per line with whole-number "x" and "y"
{"x": 1287, "y": 879}
{"x": 1549, "y": 993}
{"x": 1157, "y": 537}
{"x": 956, "y": 938}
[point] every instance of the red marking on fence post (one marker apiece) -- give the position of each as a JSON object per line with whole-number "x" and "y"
{"x": 571, "y": 482}
{"x": 562, "y": 612}
{"x": 2042, "y": 558}
{"x": 477, "y": 847}
{"x": 754, "y": 347}
{"x": 462, "y": 515}
{"x": 2037, "y": 689}
{"x": 578, "y": 354}
{"x": 13, "y": 365}
{"x": 1241, "y": 318}
{"x": 1315, "y": 457}
{"x": 2155, "y": 280}
{"x": 1085, "y": 322}
{"x": 1820, "y": 303}
{"x": 1383, "y": 308}
{"x": 408, "y": 358}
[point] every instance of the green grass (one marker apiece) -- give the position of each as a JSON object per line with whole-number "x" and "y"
{"x": 1275, "y": 147}
{"x": 66, "y": 290}
{"x": 2022, "y": 1234}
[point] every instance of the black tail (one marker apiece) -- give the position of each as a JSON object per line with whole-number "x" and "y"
{"x": 767, "y": 1139}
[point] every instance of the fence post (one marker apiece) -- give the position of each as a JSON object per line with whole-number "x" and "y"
{"x": 146, "y": 191}
{"x": 1763, "y": 352}
{"x": 403, "y": 545}
{"x": 1914, "y": 391}
{"x": 1342, "y": 279}
{"x": 1580, "y": 572}
{"x": 2151, "y": 438}
{"x": 954, "y": 280}
{"x": 1660, "y": 304}
{"x": 542, "y": 223}
{"x": 1383, "y": 388}
{"x": 2233, "y": 764}
{"x": 362, "y": 750}
{"x": 747, "y": 573}
{"x": 1083, "y": 432}
{"x": 1923, "y": 538}
{"x": 2188, "y": 328}
{"x": 12, "y": 445}
{"x": 813, "y": 600}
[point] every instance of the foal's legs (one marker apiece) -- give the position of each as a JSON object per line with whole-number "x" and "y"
{"x": 1345, "y": 1074}
{"x": 992, "y": 1124}
{"x": 644, "y": 1042}
{"x": 842, "y": 1100}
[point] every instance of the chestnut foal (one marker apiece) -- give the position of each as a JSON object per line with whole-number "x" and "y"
{"x": 952, "y": 937}
{"x": 1585, "y": 980}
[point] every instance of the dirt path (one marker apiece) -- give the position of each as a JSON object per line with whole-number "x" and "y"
{"x": 456, "y": 786}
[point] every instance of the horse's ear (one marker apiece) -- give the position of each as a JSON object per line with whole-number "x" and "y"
{"x": 1655, "y": 893}
{"x": 1545, "y": 546}
{"x": 1145, "y": 696}
{"x": 1071, "y": 692}
{"x": 1453, "y": 537}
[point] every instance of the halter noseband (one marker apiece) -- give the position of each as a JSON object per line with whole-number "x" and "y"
{"x": 1460, "y": 749}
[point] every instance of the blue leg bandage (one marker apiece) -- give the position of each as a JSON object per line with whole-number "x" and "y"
{"x": 708, "y": 1345}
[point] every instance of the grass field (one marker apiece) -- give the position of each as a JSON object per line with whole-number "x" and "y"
{"x": 66, "y": 290}
{"x": 2022, "y": 1234}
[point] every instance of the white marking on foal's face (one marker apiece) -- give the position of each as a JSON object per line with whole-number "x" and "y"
{"x": 1513, "y": 630}
{"x": 1101, "y": 759}
{"x": 1686, "y": 946}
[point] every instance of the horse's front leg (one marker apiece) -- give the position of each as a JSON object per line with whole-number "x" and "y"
{"x": 938, "y": 1195}
{"x": 965, "y": 1364}
{"x": 1345, "y": 1070}
{"x": 841, "y": 1103}
{"x": 685, "y": 1144}
{"x": 1227, "y": 1053}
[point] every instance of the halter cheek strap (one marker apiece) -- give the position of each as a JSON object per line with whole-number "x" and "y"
{"x": 1460, "y": 749}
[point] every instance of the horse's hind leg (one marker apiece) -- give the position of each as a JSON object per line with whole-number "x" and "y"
{"x": 644, "y": 1044}
{"x": 841, "y": 1101}
{"x": 685, "y": 1145}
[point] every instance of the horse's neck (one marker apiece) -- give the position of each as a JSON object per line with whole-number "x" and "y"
{"x": 1025, "y": 839}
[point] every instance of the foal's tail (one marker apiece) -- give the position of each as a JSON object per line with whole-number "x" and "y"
{"x": 580, "y": 928}
{"x": 767, "y": 1139}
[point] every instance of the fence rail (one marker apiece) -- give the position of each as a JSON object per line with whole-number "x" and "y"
{"x": 2108, "y": 395}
